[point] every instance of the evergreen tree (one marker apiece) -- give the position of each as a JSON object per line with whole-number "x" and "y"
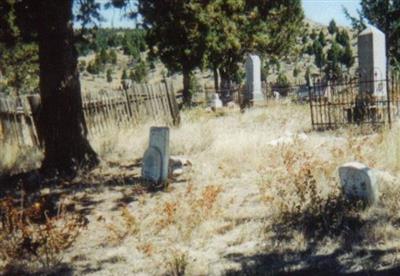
{"x": 385, "y": 15}
{"x": 347, "y": 58}
{"x": 332, "y": 69}
{"x": 124, "y": 75}
{"x": 321, "y": 38}
{"x": 332, "y": 28}
{"x": 175, "y": 35}
{"x": 313, "y": 34}
{"x": 343, "y": 38}
{"x": 320, "y": 58}
{"x": 218, "y": 33}
{"x": 109, "y": 75}
{"x": 113, "y": 56}
{"x": 296, "y": 72}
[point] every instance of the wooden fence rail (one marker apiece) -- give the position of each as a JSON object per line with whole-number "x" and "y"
{"x": 19, "y": 115}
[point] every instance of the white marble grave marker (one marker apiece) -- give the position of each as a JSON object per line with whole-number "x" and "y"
{"x": 372, "y": 62}
{"x": 253, "y": 78}
{"x": 359, "y": 182}
{"x": 156, "y": 157}
{"x": 215, "y": 103}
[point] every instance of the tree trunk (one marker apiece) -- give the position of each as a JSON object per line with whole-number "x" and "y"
{"x": 187, "y": 97}
{"x": 61, "y": 120}
{"x": 216, "y": 84}
{"x": 225, "y": 85}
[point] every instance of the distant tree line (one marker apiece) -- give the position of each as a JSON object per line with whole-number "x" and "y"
{"x": 333, "y": 55}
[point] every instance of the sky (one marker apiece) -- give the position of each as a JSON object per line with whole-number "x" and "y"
{"x": 323, "y": 11}
{"x": 320, "y": 11}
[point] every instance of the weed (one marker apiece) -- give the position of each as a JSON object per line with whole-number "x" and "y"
{"x": 30, "y": 239}
{"x": 177, "y": 265}
{"x": 128, "y": 226}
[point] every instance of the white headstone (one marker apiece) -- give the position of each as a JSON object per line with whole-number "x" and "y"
{"x": 156, "y": 157}
{"x": 359, "y": 182}
{"x": 216, "y": 103}
{"x": 253, "y": 78}
{"x": 152, "y": 165}
{"x": 372, "y": 62}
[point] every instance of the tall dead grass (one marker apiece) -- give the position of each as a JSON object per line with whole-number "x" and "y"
{"x": 261, "y": 182}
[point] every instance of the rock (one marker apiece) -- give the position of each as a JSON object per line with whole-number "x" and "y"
{"x": 277, "y": 95}
{"x": 289, "y": 138}
{"x": 359, "y": 183}
{"x": 177, "y": 172}
{"x": 231, "y": 104}
{"x": 177, "y": 164}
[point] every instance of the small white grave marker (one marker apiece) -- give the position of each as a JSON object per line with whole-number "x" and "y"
{"x": 156, "y": 157}
{"x": 359, "y": 182}
{"x": 216, "y": 103}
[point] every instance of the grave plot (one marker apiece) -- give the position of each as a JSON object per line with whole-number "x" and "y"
{"x": 371, "y": 97}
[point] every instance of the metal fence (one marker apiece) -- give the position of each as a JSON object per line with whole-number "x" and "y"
{"x": 337, "y": 104}
{"x": 18, "y": 115}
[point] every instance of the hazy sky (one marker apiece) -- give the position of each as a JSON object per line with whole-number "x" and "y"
{"x": 321, "y": 11}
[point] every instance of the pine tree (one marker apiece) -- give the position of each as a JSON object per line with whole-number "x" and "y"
{"x": 332, "y": 28}
{"x": 321, "y": 38}
{"x": 109, "y": 75}
{"x": 347, "y": 58}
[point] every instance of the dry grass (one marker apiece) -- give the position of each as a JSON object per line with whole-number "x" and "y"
{"x": 262, "y": 195}
{"x": 33, "y": 238}
{"x": 15, "y": 158}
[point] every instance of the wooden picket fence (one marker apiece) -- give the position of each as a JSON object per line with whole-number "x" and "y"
{"x": 105, "y": 110}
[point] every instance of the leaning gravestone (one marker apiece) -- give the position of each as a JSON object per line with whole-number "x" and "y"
{"x": 253, "y": 78}
{"x": 156, "y": 157}
{"x": 359, "y": 183}
{"x": 372, "y": 62}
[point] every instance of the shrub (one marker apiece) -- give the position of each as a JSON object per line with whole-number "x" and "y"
{"x": 31, "y": 239}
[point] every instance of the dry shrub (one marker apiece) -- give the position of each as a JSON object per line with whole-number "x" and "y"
{"x": 209, "y": 196}
{"x": 146, "y": 248}
{"x": 128, "y": 226}
{"x": 177, "y": 264}
{"x": 31, "y": 239}
{"x": 168, "y": 214}
{"x": 311, "y": 201}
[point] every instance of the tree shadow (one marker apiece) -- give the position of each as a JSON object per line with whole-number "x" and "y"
{"x": 61, "y": 270}
{"x": 337, "y": 221}
{"x": 28, "y": 188}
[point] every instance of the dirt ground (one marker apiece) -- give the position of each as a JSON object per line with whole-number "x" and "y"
{"x": 262, "y": 197}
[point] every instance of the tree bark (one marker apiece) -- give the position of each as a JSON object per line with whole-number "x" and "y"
{"x": 61, "y": 119}
{"x": 187, "y": 97}
{"x": 216, "y": 84}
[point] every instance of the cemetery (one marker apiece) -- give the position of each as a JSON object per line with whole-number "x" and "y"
{"x": 241, "y": 160}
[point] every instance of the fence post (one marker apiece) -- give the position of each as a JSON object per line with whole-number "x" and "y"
{"x": 311, "y": 106}
{"x": 35, "y": 104}
{"x": 176, "y": 119}
{"x": 388, "y": 100}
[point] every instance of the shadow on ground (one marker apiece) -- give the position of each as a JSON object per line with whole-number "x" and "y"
{"x": 352, "y": 254}
{"x": 308, "y": 262}
{"x": 123, "y": 178}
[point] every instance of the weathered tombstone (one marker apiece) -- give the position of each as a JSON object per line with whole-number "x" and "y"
{"x": 215, "y": 103}
{"x": 372, "y": 62}
{"x": 359, "y": 183}
{"x": 253, "y": 78}
{"x": 156, "y": 157}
